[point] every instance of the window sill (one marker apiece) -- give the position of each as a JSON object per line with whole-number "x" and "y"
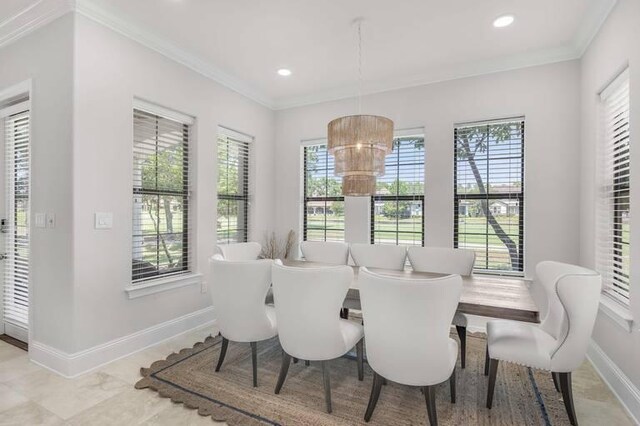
{"x": 619, "y": 313}
{"x": 162, "y": 284}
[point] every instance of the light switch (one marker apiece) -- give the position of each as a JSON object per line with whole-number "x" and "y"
{"x": 103, "y": 220}
{"x": 41, "y": 220}
{"x": 51, "y": 220}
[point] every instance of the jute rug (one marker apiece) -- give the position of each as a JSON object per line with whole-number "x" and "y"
{"x": 522, "y": 396}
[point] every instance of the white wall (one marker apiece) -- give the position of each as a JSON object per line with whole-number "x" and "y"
{"x": 45, "y": 57}
{"x": 615, "y": 46}
{"x": 547, "y": 95}
{"x": 110, "y": 70}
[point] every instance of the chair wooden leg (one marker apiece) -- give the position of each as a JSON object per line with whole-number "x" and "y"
{"x": 327, "y": 384}
{"x": 430, "y": 399}
{"x": 284, "y": 368}
{"x": 493, "y": 372}
{"x": 295, "y": 360}
{"x": 223, "y": 353}
{"x": 462, "y": 334}
{"x": 307, "y": 363}
{"x": 567, "y": 396}
{"x": 486, "y": 362}
{"x": 373, "y": 398}
{"x": 360, "y": 356}
{"x": 254, "y": 363}
{"x": 556, "y": 382}
{"x": 452, "y": 386}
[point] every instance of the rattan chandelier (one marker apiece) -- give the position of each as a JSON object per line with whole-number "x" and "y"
{"x": 360, "y": 143}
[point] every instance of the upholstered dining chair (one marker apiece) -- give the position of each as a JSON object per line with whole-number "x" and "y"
{"x": 336, "y": 253}
{"x": 239, "y": 251}
{"x": 238, "y": 292}
{"x": 406, "y": 327}
{"x": 446, "y": 260}
{"x": 306, "y": 302}
{"x": 384, "y": 256}
{"x": 559, "y": 343}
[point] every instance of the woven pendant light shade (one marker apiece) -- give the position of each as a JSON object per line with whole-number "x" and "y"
{"x": 359, "y": 144}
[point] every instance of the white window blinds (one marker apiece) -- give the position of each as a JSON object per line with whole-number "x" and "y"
{"x": 234, "y": 154}
{"x": 16, "y": 224}
{"x": 397, "y": 209}
{"x": 489, "y": 194}
{"x": 323, "y": 203}
{"x": 614, "y": 214}
{"x": 161, "y": 196}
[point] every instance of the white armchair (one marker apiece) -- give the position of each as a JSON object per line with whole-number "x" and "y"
{"x": 384, "y": 256}
{"x": 406, "y": 326}
{"x": 336, "y": 253}
{"x": 238, "y": 292}
{"x": 306, "y": 302}
{"x": 239, "y": 251}
{"x": 559, "y": 343}
{"x": 446, "y": 261}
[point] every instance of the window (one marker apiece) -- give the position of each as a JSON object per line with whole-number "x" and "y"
{"x": 161, "y": 243}
{"x": 323, "y": 208}
{"x": 233, "y": 186}
{"x": 489, "y": 194}
{"x": 397, "y": 209}
{"x": 614, "y": 214}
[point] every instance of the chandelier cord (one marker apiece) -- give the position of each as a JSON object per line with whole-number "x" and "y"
{"x": 359, "y": 66}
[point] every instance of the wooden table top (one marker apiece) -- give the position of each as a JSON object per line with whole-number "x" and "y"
{"x": 489, "y": 296}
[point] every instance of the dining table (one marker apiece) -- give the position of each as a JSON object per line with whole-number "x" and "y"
{"x": 501, "y": 297}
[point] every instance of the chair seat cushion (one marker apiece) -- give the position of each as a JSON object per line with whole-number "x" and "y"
{"x": 459, "y": 319}
{"x": 520, "y": 343}
{"x": 351, "y": 333}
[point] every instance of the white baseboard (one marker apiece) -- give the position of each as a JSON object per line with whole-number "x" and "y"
{"x": 626, "y": 392}
{"x": 72, "y": 365}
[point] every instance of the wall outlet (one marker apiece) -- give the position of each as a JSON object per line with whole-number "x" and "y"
{"x": 41, "y": 220}
{"x": 203, "y": 287}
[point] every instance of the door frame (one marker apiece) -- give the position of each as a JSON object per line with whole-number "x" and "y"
{"x": 19, "y": 89}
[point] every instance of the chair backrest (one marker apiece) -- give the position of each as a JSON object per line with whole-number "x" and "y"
{"x": 384, "y": 256}
{"x": 307, "y": 302}
{"x": 442, "y": 260}
{"x": 573, "y": 296}
{"x": 406, "y": 326}
{"x": 238, "y": 293}
{"x": 326, "y": 252}
{"x": 240, "y": 251}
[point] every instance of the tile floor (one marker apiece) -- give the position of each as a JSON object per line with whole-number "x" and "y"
{"x": 31, "y": 395}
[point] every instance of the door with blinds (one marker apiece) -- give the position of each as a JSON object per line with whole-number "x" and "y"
{"x": 15, "y": 120}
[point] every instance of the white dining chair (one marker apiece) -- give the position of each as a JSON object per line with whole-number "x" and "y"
{"x": 406, "y": 327}
{"x": 239, "y": 251}
{"x": 334, "y": 252}
{"x": 383, "y": 256}
{"x": 306, "y": 302}
{"x": 446, "y": 260}
{"x": 238, "y": 292}
{"x": 559, "y": 343}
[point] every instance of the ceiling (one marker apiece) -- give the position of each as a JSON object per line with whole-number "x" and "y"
{"x": 242, "y": 43}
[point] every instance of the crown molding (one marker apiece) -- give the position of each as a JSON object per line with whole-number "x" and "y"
{"x": 591, "y": 24}
{"x": 170, "y": 50}
{"x": 45, "y": 11}
{"x": 32, "y": 18}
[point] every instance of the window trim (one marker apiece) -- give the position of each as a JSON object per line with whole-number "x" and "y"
{"x": 520, "y": 197}
{"x": 187, "y": 275}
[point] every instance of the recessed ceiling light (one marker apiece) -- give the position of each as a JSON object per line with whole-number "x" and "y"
{"x": 503, "y": 21}
{"x": 284, "y": 72}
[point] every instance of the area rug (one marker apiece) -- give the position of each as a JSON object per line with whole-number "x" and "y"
{"x": 522, "y": 396}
